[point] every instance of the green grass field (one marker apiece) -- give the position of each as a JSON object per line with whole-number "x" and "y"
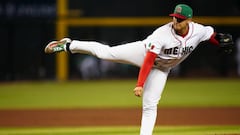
{"x": 118, "y": 93}
{"x": 124, "y": 130}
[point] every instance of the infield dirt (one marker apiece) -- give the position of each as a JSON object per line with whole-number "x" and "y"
{"x": 117, "y": 116}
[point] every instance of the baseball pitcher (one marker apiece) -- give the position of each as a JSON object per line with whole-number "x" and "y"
{"x": 165, "y": 48}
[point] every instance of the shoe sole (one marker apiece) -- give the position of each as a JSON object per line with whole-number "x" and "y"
{"x": 48, "y": 47}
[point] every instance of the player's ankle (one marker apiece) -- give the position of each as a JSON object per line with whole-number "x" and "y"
{"x": 67, "y": 47}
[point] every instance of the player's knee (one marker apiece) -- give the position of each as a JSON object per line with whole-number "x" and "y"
{"x": 148, "y": 108}
{"x": 105, "y": 52}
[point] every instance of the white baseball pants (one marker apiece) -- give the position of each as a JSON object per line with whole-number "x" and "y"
{"x": 130, "y": 53}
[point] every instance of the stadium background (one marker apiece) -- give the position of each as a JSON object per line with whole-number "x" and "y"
{"x": 28, "y": 25}
{"x": 47, "y": 94}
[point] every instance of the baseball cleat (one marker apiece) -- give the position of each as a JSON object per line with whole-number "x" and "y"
{"x": 57, "y": 46}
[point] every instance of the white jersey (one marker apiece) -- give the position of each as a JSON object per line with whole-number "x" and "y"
{"x": 172, "y": 48}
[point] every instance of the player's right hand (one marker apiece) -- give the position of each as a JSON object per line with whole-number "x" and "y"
{"x": 138, "y": 91}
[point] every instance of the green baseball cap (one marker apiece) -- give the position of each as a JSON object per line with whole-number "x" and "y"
{"x": 182, "y": 11}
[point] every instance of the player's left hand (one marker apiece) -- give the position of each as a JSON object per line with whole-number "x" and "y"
{"x": 225, "y": 41}
{"x": 138, "y": 91}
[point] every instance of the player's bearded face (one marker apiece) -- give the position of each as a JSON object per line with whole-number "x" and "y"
{"x": 180, "y": 25}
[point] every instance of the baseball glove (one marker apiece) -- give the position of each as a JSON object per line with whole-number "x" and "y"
{"x": 225, "y": 42}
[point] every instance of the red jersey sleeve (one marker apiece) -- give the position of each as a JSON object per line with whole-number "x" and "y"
{"x": 213, "y": 39}
{"x": 146, "y": 67}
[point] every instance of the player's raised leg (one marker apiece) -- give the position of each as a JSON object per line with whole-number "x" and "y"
{"x": 130, "y": 53}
